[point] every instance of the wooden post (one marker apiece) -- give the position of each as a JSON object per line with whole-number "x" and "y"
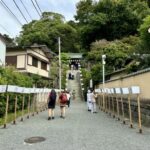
{"x": 109, "y": 105}
{"x": 22, "y": 107}
{"x": 15, "y": 111}
{"x": 28, "y": 107}
{"x": 122, "y": 106}
{"x": 130, "y": 112}
{"x": 103, "y": 102}
{"x": 36, "y": 103}
{"x": 106, "y": 110}
{"x": 139, "y": 114}
{"x": 6, "y": 110}
{"x": 98, "y": 100}
{"x": 118, "y": 112}
{"x": 113, "y": 107}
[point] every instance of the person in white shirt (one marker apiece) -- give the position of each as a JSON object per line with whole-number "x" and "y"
{"x": 68, "y": 98}
{"x": 89, "y": 100}
{"x": 93, "y": 102}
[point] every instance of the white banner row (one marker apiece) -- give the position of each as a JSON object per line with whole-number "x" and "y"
{"x": 125, "y": 90}
{"x": 23, "y": 90}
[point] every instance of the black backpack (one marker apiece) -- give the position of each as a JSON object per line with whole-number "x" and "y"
{"x": 52, "y": 97}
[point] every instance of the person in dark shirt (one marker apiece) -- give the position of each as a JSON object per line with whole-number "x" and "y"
{"x": 51, "y": 104}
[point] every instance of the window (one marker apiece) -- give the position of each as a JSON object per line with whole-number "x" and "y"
{"x": 34, "y": 62}
{"x": 43, "y": 65}
{"x": 11, "y": 60}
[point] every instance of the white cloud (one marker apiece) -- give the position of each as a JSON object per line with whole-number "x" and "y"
{"x": 65, "y": 7}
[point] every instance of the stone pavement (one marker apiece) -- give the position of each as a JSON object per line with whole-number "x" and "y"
{"x": 80, "y": 130}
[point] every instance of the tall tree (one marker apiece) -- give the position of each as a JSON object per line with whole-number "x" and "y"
{"x": 109, "y": 19}
{"x": 47, "y": 30}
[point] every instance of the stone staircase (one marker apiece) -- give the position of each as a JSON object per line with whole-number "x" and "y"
{"x": 74, "y": 85}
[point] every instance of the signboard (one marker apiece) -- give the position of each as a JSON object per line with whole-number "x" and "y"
{"x": 3, "y": 88}
{"x": 135, "y": 90}
{"x": 118, "y": 90}
{"x": 26, "y": 90}
{"x": 106, "y": 90}
{"x": 20, "y": 90}
{"x": 12, "y": 88}
{"x": 98, "y": 90}
{"x": 109, "y": 91}
{"x": 112, "y": 90}
{"x": 125, "y": 90}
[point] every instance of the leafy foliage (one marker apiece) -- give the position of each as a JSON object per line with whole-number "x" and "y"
{"x": 47, "y": 30}
{"x": 109, "y": 19}
{"x": 145, "y": 35}
{"x": 11, "y": 77}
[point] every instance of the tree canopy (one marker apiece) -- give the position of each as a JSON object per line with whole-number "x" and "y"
{"x": 109, "y": 19}
{"x": 47, "y": 30}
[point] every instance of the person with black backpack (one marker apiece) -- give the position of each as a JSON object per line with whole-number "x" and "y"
{"x": 51, "y": 104}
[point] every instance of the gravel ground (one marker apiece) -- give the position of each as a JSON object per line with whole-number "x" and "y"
{"x": 80, "y": 130}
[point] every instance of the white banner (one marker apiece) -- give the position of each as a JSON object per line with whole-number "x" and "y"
{"x": 26, "y": 91}
{"x": 125, "y": 90}
{"x": 135, "y": 90}
{"x": 19, "y": 89}
{"x": 112, "y": 90}
{"x": 12, "y": 88}
{"x": 98, "y": 90}
{"x": 109, "y": 91}
{"x": 118, "y": 90}
{"x": 3, "y": 88}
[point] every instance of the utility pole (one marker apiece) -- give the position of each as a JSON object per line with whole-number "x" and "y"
{"x": 59, "y": 47}
{"x": 103, "y": 63}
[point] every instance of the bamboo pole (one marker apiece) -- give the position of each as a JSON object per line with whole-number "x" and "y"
{"x": 33, "y": 105}
{"x": 122, "y": 107}
{"x": 118, "y": 112}
{"x": 130, "y": 112}
{"x": 103, "y": 102}
{"x": 36, "y": 102}
{"x": 113, "y": 107}
{"x": 28, "y": 107}
{"x": 22, "y": 108}
{"x": 139, "y": 114}
{"x": 98, "y": 101}
{"x": 6, "y": 110}
{"x": 15, "y": 111}
{"x": 109, "y": 105}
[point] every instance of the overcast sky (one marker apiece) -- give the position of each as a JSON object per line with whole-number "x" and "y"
{"x": 9, "y": 25}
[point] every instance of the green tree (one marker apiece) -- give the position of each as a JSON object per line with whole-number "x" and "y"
{"x": 47, "y": 30}
{"x": 109, "y": 19}
{"x": 145, "y": 35}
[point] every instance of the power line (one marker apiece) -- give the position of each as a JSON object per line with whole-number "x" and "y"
{"x": 20, "y": 11}
{"x": 26, "y": 9}
{"x": 36, "y": 8}
{"x": 8, "y": 9}
{"x": 5, "y": 29}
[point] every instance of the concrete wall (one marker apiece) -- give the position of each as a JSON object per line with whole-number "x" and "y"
{"x": 2, "y": 52}
{"x": 142, "y": 80}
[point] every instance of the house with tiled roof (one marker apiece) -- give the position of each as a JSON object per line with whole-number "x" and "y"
{"x": 33, "y": 59}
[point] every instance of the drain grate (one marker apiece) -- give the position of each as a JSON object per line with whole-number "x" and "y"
{"x": 35, "y": 139}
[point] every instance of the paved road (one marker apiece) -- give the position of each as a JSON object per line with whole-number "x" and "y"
{"x": 80, "y": 130}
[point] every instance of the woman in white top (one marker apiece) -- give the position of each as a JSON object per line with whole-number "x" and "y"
{"x": 93, "y": 102}
{"x": 89, "y": 100}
